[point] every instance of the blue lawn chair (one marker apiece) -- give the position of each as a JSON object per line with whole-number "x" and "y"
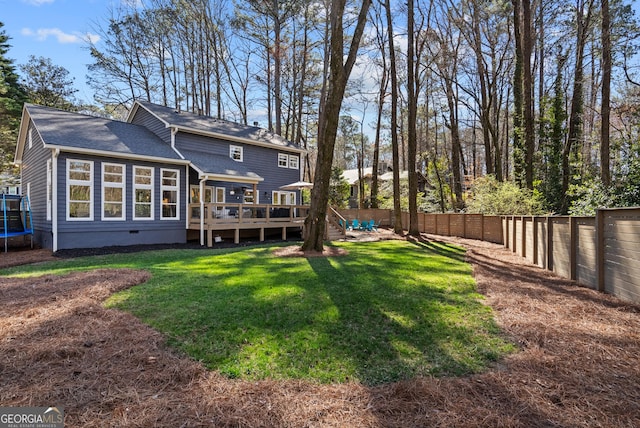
{"x": 373, "y": 225}
{"x": 355, "y": 224}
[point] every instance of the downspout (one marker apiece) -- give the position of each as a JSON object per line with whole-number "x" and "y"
{"x": 54, "y": 198}
{"x": 202, "y": 180}
{"x": 187, "y": 199}
{"x": 174, "y": 131}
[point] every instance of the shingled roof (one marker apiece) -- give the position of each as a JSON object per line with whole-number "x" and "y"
{"x": 77, "y": 132}
{"x": 190, "y": 122}
{"x": 220, "y": 167}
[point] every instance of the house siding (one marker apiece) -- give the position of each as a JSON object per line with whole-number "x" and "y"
{"x": 100, "y": 233}
{"x": 144, "y": 118}
{"x": 34, "y": 176}
{"x": 261, "y": 160}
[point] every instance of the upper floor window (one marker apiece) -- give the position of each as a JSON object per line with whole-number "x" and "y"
{"x": 113, "y": 190}
{"x": 142, "y": 193}
{"x": 294, "y": 162}
{"x": 235, "y": 153}
{"x": 79, "y": 190}
{"x": 170, "y": 190}
{"x": 283, "y": 160}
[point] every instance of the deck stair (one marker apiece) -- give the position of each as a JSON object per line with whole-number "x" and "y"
{"x": 335, "y": 226}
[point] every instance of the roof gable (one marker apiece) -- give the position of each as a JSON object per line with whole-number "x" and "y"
{"x": 205, "y": 125}
{"x": 88, "y": 134}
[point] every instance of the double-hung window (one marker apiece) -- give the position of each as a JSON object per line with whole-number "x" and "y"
{"x": 283, "y": 160}
{"x": 113, "y": 189}
{"x": 294, "y": 161}
{"x": 142, "y": 193}
{"x": 170, "y": 190}
{"x": 79, "y": 190}
{"x": 235, "y": 153}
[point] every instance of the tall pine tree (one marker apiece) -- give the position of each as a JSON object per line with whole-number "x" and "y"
{"x": 12, "y": 96}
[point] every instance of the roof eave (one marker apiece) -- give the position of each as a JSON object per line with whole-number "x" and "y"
{"x": 190, "y": 130}
{"x": 106, "y": 153}
{"x": 22, "y": 135}
{"x": 231, "y": 178}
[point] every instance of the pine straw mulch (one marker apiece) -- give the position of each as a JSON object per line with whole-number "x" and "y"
{"x": 577, "y": 364}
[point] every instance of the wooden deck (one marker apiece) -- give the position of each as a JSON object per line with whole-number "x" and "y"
{"x": 236, "y": 217}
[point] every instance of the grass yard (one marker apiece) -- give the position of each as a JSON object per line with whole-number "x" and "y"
{"x": 387, "y": 311}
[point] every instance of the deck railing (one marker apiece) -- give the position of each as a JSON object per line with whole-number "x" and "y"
{"x": 226, "y": 216}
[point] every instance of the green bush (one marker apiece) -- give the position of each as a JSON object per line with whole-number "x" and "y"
{"x": 489, "y": 196}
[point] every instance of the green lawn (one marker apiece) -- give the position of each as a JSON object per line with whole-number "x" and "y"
{"x": 389, "y": 310}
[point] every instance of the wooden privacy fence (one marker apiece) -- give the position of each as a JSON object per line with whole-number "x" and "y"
{"x": 473, "y": 226}
{"x": 601, "y": 252}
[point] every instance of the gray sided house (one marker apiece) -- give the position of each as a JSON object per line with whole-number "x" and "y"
{"x": 94, "y": 182}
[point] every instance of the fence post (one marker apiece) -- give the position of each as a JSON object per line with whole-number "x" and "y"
{"x": 549, "y": 243}
{"x": 600, "y": 248}
{"x": 534, "y": 227}
{"x": 573, "y": 247}
{"x": 464, "y": 225}
{"x": 523, "y": 237}
{"x": 514, "y": 243}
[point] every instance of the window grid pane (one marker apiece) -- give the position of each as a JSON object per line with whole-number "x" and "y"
{"x": 79, "y": 190}
{"x": 170, "y": 195}
{"x": 142, "y": 193}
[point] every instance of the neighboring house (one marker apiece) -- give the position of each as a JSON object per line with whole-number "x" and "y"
{"x": 384, "y": 174}
{"x": 352, "y": 176}
{"x": 94, "y": 182}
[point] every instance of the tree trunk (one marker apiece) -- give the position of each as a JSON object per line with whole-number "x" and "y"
{"x": 328, "y": 121}
{"x": 577, "y": 100}
{"x": 527, "y": 93}
{"x": 518, "y": 146}
{"x": 606, "y": 95}
{"x": 412, "y": 107}
{"x": 397, "y": 214}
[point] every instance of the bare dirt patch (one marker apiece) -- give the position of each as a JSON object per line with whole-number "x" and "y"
{"x": 296, "y": 251}
{"x": 577, "y": 364}
{"x": 23, "y": 256}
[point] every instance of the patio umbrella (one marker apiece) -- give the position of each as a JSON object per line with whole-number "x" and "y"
{"x": 298, "y": 185}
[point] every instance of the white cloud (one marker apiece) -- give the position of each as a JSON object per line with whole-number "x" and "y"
{"x": 37, "y": 2}
{"x": 42, "y": 34}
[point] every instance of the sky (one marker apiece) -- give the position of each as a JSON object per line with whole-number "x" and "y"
{"x": 55, "y": 29}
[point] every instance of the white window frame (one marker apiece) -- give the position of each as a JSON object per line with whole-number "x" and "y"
{"x": 294, "y": 162}
{"x": 283, "y": 160}
{"x": 49, "y": 188}
{"x": 143, "y": 186}
{"x": 236, "y": 150}
{"x": 289, "y": 197}
{"x": 248, "y": 194}
{"x": 169, "y": 188}
{"x": 220, "y": 195}
{"x": 78, "y": 182}
{"x": 122, "y": 185}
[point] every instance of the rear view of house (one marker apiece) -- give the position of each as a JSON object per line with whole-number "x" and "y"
{"x": 94, "y": 182}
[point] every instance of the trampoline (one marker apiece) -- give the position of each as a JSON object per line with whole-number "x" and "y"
{"x": 16, "y": 218}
